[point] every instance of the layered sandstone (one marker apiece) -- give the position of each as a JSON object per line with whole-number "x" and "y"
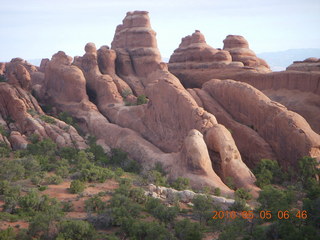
{"x": 239, "y": 49}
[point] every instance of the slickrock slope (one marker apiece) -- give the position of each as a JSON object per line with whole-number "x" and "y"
{"x": 288, "y": 134}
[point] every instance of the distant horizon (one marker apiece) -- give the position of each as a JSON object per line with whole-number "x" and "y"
{"x": 39, "y": 29}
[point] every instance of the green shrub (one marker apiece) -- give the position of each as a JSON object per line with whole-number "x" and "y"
{"x": 95, "y": 204}
{"x": 121, "y": 159}
{"x": 137, "y": 229}
{"x": 230, "y": 183}
{"x": 48, "y": 119}
{"x": 77, "y": 186}
{"x": 181, "y": 183}
{"x": 76, "y": 230}
{"x": 203, "y": 207}
{"x": 157, "y": 178}
{"x": 160, "y": 211}
{"x": 267, "y": 172}
{"x": 11, "y": 170}
{"x": 3, "y": 78}
{"x": 67, "y": 206}
{"x": 217, "y": 192}
{"x": 4, "y": 150}
{"x": 54, "y": 179}
{"x": 243, "y": 194}
{"x": 137, "y": 195}
{"x": 142, "y": 99}
{"x": 9, "y": 233}
{"x": 4, "y": 132}
{"x": 187, "y": 230}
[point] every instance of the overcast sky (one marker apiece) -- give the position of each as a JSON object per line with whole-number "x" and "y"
{"x": 39, "y": 28}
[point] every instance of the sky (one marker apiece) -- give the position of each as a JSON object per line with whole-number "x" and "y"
{"x": 39, "y": 28}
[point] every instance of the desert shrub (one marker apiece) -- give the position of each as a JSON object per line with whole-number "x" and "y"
{"x": 120, "y": 158}
{"x": 11, "y": 170}
{"x": 274, "y": 199}
{"x": 203, "y": 207}
{"x": 123, "y": 207}
{"x": 4, "y": 132}
{"x": 309, "y": 173}
{"x": 137, "y": 195}
{"x": 77, "y": 186}
{"x": 48, "y": 119}
{"x": 137, "y": 229}
{"x": 163, "y": 213}
{"x": 96, "y": 174}
{"x": 11, "y": 197}
{"x": 67, "y": 206}
{"x": 95, "y": 204}
{"x": 45, "y": 147}
{"x": 99, "y": 155}
{"x": 267, "y": 172}
{"x": 7, "y": 234}
{"x": 125, "y": 93}
{"x": 62, "y": 171}
{"x": 76, "y": 230}
{"x": 243, "y": 193}
{"x": 181, "y": 183}
{"x": 4, "y": 150}
{"x": 217, "y": 191}
{"x": 187, "y": 230}
{"x": 54, "y": 179}
{"x": 239, "y": 205}
{"x": 156, "y": 177}
{"x": 142, "y": 99}
{"x": 68, "y": 153}
{"x": 230, "y": 183}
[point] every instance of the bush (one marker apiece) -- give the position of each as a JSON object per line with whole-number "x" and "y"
{"x": 230, "y": 183}
{"x": 7, "y": 234}
{"x": 48, "y": 119}
{"x": 203, "y": 207}
{"x": 181, "y": 183}
{"x": 11, "y": 170}
{"x": 217, "y": 192}
{"x": 186, "y": 230}
{"x": 120, "y": 158}
{"x": 157, "y": 178}
{"x": 4, "y": 150}
{"x": 267, "y": 172}
{"x": 96, "y": 173}
{"x": 77, "y": 186}
{"x": 54, "y": 179}
{"x": 94, "y": 204}
{"x": 243, "y": 194}
{"x": 145, "y": 230}
{"x": 160, "y": 211}
{"x": 76, "y": 230}
{"x": 142, "y": 99}
{"x": 3, "y": 78}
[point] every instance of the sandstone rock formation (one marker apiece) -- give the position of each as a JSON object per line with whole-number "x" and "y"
{"x": 238, "y": 47}
{"x": 195, "y": 55}
{"x": 309, "y": 64}
{"x": 288, "y": 134}
{"x": 24, "y": 117}
{"x": 206, "y": 134}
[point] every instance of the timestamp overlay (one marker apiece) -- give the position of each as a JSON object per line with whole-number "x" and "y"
{"x": 263, "y": 214}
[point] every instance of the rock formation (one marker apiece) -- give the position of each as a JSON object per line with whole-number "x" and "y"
{"x": 206, "y": 134}
{"x": 309, "y": 64}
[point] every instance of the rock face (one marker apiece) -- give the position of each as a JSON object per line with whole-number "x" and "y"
{"x": 288, "y": 134}
{"x": 136, "y": 48}
{"x": 24, "y": 117}
{"x": 239, "y": 49}
{"x": 309, "y": 64}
